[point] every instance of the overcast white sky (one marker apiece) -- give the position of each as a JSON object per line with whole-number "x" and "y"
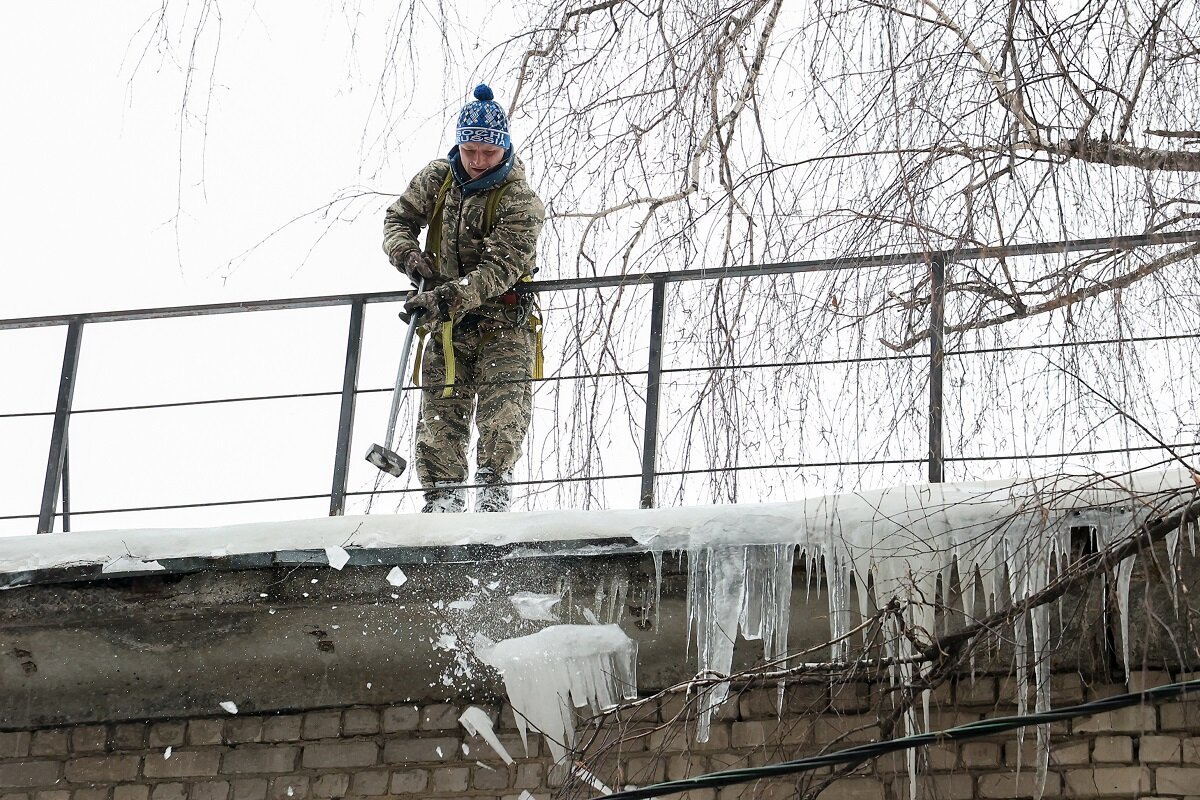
{"x": 91, "y": 155}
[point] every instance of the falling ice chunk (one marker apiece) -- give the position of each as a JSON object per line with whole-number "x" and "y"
{"x": 466, "y": 749}
{"x": 263, "y": 594}
{"x": 462, "y": 605}
{"x": 562, "y": 666}
{"x": 337, "y": 557}
{"x": 291, "y": 791}
{"x": 478, "y": 723}
{"x": 397, "y": 577}
{"x": 533, "y": 606}
{"x": 167, "y": 753}
{"x": 229, "y": 706}
{"x": 438, "y": 749}
{"x": 525, "y": 795}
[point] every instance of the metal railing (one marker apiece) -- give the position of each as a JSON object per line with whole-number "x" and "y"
{"x": 56, "y": 485}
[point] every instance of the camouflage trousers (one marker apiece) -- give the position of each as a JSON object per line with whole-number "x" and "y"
{"x": 493, "y": 372}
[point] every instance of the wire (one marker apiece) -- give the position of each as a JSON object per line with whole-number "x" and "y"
{"x": 854, "y": 755}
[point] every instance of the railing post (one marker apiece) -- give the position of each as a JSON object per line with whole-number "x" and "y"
{"x": 58, "y": 435}
{"x": 653, "y": 380}
{"x": 937, "y": 353}
{"x": 341, "y": 460}
{"x": 66, "y": 484}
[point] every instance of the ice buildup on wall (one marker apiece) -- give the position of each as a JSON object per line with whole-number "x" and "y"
{"x": 549, "y": 673}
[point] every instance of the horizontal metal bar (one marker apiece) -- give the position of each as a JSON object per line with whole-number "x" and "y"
{"x": 609, "y": 281}
{"x": 631, "y": 476}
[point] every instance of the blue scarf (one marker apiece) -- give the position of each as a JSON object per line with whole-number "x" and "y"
{"x": 484, "y": 182}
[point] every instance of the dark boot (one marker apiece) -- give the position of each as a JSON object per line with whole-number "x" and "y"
{"x": 495, "y": 493}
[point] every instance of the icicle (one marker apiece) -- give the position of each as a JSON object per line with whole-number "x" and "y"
{"x": 716, "y": 580}
{"x": 1124, "y": 576}
{"x": 658, "y": 569}
{"x": 1172, "y": 561}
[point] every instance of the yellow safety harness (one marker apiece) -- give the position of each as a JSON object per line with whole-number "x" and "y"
{"x": 433, "y": 245}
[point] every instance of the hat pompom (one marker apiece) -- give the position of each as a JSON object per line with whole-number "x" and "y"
{"x": 483, "y": 92}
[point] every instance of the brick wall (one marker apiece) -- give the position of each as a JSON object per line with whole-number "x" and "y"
{"x": 405, "y": 751}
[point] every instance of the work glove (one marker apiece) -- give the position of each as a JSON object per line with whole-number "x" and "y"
{"x": 414, "y": 263}
{"x": 437, "y": 305}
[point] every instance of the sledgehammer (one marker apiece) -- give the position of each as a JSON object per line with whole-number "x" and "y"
{"x": 379, "y": 455}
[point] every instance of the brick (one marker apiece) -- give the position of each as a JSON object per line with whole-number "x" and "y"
{"x": 206, "y": 731}
{"x": 1112, "y": 750}
{"x": 282, "y": 729}
{"x": 1009, "y": 785}
{"x": 941, "y": 757}
{"x": 49, "y": 743}
{"x": 340, "y": 755}
{"x": 1098, "y": 691}
{"x": 102, "y": 769}
{"x": 360, "y": 722}
{"x": 1066, "y": 689}
{"x": 1067, "y": 753}
{"x": 1025, "y": 754}
{"x": 852, "y": 789}
{"x": 1147, "y": 679}
{"x": 169, "y": 791}
{"x": 250, "y": 789}
{"x": 529, "y": 776}
{"x": 209, "y": 790}
{"x": 289, "y": 787}
{"x": 749, "y": 734}
{"x": 1177, "y": 780}
{"x": 260, "y": 758}
{"x": 491, "y": 778}
{"x": 322, "y": 725}
{"x": 402, "y": 718}
{"x": 439, "y": 717}
{"x": 846, "y": 729}
{"x": 1107, "y": 781}
{"x": 978, "y": 692}
{"x": 14, "y": 745}
{"x": 29, "y": 774}
{"x": 128, "y": 792}
{"x": 184, "y": 764}
{"x": 61, "y": 794}
{"x": 168, "y": 734}
{"x": 369, "y": 784}
{"x": 405, "y": 751}
{"x": 451, "y": 780}
{"x": 718, "y": 737}
{"x": 942, "y": 787}
{"x": 1160, "y": 750}
{"x": 89, "y": 739}
{"x": 240, "y": 730}
{"x": 100, "y": 793}
{"x": 129, "y": 736}
{"x": 641, "y": 770}
{"x": 846, "y": 698}
{"x": 1134, "y": 719}
{"x": 1191, "y": 751}
{"x": 1172, "y": 716}
{"x": 976, "y": 755}
{"x": 409, "y": 781}
{"x": 331, "y": 785}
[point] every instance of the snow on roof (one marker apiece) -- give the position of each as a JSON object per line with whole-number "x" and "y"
{"x": 907, "y": 519}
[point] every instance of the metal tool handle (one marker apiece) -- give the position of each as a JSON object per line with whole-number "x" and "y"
{"x": 408, "y": 337}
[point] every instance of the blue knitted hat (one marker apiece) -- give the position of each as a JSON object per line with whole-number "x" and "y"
{"x": 483, "y": 121}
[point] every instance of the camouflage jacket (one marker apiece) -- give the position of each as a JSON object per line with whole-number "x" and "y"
{"x": 486, "y": 267}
